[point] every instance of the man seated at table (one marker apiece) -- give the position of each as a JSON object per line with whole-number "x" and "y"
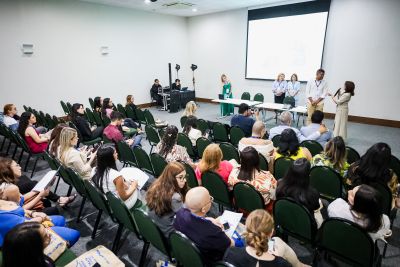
{"x": 206, "y": 232}
{"x": 286, "y": 120}
{"x": 176, "y": 85}
{"x": 316, "y": 120}
{"x": 154, "y": 92}
{"x": 243, "y": 120}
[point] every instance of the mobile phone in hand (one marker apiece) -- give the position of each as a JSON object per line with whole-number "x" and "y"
{"x": 226, "y": 226}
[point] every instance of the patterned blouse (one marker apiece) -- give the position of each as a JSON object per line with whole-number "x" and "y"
{"x": 264, "y": 182}
{"x": 323, "y": 160}
{"x": 177, "y": 153}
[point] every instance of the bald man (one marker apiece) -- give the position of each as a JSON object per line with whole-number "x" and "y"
{"x": 263, "y": 146}
{"x": 207, "y": 233}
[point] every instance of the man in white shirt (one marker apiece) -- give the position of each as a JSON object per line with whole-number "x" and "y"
{"x": 316, "y": 91}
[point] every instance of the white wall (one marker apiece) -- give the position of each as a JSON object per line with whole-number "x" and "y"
{"x": 362, "y": 44}
{"x": 67, "y": 64}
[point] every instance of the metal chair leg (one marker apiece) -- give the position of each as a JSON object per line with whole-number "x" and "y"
{"x": 117, "y": 238}
{"x": 69, "y": 191}
{"x": 20, "y": 156}
{"x": 96, "y": 224}
{"x": 144, "y": 253}
{"x": 80, "y": 209}
{"x": 58, "y": 181}
{"x": 15, "y": 152}
{"x": 34, "y": 166}
{"x": 27, "y": 163}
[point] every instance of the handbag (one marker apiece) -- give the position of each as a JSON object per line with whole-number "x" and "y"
{"x": 100, "y": 255}
{"x": 56, "y": 247}
{"x": 39, "y": 206}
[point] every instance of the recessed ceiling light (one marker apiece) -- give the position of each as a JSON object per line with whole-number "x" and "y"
{"x": 147, "y": 2}
{"x": 194, "y": 9}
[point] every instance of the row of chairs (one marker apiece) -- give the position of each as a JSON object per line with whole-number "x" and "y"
{"x": 44, "y": 119}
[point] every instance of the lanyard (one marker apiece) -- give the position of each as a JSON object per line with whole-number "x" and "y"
{"x": 318, "y": 84}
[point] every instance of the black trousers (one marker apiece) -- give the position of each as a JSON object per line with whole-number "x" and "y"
{"x": 279, "y": 99}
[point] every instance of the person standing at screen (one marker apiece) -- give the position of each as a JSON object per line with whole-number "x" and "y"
{"x": 293, "y": 88}
{"x": 316, "y": 90}
{"x": 226, "y": 109}
{"x": 342, "y": 98}
{"x": 279, "y": 88}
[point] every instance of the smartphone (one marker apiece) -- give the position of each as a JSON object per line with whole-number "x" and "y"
{"x": 271, "y": 245}
{"x": 226, "y": 226}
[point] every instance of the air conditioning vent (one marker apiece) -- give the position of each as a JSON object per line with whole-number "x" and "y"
{"x": 178, "y": 5}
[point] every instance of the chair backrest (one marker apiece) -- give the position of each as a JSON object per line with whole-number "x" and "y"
{"x": 106, "y": 140}
{"x": 247, "y": 197}
{"x": 183, "y": 140}
{"x": 229, "y": 152}
{"x": 152, "y": 134}
{"x": 281, "y": 166}
{"x": 386, "y": 197}
{"x": 159, "y": 163}
{"x": 143, "y": 160}
{"x": 328, "y": 182}
{"x": 98, "y": 199}
{"x": 220, "y": 132}
{"x": 313, "y": 146}
{"x": 185, "y": 251}
{"x": 69, "y": 106}
{"x": 140, "y": 115}
{"x": 51, "y": 161}
{"x": 191, "y": 178}
{"x": 149, "y": 117}
{"x": 352, "y": 155}
{"x": 276, "y": 140}
{"x": 236, "y": 134}
{"x": 217, "y": 188}
{"x": 130, "y": 113}
{"x": 97, "y": 118}
{"x": 259, "y": 97}
{"x": 64, "y": 107}
{"x": 49, "y": 121}
{"x": 353, "y": 245}
{"x": 201, "y": 144}
{"x": 91, "y": 102}
{"x": 125, "y": 154}
{"x": 183, "y": 121}
{"x": 77, "y": 181}
{"x": 121, "y": 110}
{"x": 295, "y": 220}
{"x": 150, "y": 231}
{"x": 395, "y": 165}
{"x": 263, "y": 162}
{"x": 121, "y": 212}
{"x": 106, "y": 120}
{"x": 90, "y": 116}
{"x": 289, "y": 100}
{"x": 63, "y": 172}
{"x": 202, "y": 125}
{"x": 245, "y": 96}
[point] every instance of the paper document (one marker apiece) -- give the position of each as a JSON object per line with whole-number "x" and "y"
{"x": 130, "y": 174}
{"x": 232, "y": 218}
{"x": 46, "y": 181}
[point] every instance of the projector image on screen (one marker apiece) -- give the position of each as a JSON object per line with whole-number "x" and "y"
{"x": 292, "y": 44}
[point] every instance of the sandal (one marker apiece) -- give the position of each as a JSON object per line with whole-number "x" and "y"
{"x": 65, "y": 203}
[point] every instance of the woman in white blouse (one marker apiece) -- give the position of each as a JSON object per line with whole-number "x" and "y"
{"x": 279, "y": 88}
{"x": 293, "y": 88}
{"x": 191, "y": 130}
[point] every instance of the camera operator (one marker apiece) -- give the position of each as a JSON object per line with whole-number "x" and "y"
{"x": 243, "y": 120}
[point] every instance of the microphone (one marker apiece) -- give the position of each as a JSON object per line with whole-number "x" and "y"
{"x": 337, "y": 92}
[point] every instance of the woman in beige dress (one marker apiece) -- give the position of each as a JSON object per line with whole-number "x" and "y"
{"x": 342, "y": 98}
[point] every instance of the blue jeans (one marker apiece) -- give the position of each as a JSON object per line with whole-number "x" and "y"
{"x": 68, "y": 234}
{"x": 136, "y": 141}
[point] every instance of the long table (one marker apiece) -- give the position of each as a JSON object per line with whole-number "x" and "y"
{"x": 281, "y": 107}
{"x": 236, "y": 101}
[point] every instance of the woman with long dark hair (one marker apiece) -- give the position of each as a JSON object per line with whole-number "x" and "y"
{"x": 364, "y": 208}
{"x": 98, "y": 103}
{"x": 191, "y": 130}
{"x": 169, "y": 149}
{"x": 107, "y": 178}
{"x": 289, "y": 146}
{"x": 24, "y": 245}
{"x": 296, "y": 185}
{"x": 249, "y": 171}
{"x": 78, "y": 118}
{"x": 36, "y": 142}
{"x": 167, "y": 195}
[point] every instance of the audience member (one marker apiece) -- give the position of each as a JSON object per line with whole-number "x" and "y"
{"x": 191, "y": 130}
{"x": 243, "y": 120}
{"x": 279, "y": 88}
{"x": 226, "y": 109}
{"x": 98, "y": 104}
{"x": 78, "y": 118}
{"x": 24, "y": 244}
{"x": 130, "y": 102}
{"x": 114, "y": 131}
{"x": 212, "y": 161}
{"x": 261, "y": 248}
{"x": 12, "y": 214}
{"x": 364, "y": 208}
{"x": 316, "y": 122}
{"x": 36, "y": 142}
{"x": 249, "y": 171}
{"x": 334, "y": 156}
{"x": 190, "y": 109}
{"x": 293, "y": 88}
{"x": 289, "y": 146}
{"x": 176, "y": 85}
{"x": 10, "y": 173}
{"x": 166, "y": 196}
{"x": 296, "y": 185}
{"x": 207, "y": 233}
{"x": 107, "y": 107}
{"x": 316, "y": 91}
{"x": 286, "y": 120}
{"x": 256, "y": 140}
{"x": 168, "y": 148}
{"x": 73, "y": 158}
{"x": 10, "y": 112}
{"x": 54, "y": 141}
{"x": 107, "y": 178}
{"x": 154, "y": 92}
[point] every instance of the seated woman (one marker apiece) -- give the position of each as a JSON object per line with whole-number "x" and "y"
{"x": 166, "y": 196}
{"x": 212, "y": 161}
{"x": 10, "y": 116}
{"x": 78, "y": 118}
{"x": 374, "y": 167}
{"x": 169, "y": 149}
{"x": 73, "y": 158}
{"x": 191, "y": 130}
{"x": 130, "y": 102}
{"x": 296, "y": 185}
{"x": 98, "y": 104}
{"x": 261, "y": 248}
{"x": 24, "y": 244}
{"x": 289, "y": 147}
{"x": 54, "y": 141}
{"x": 107, "y": 178}
{"x": 263, "y": 146}
{"x": 36, "y": 143}
{"x": 12, "y": 214}
{"x": 249, "y": 171}
{"x": 11, "y": 174}
{"x": 107, "y": 107}
{"x": 334, "y": 156}
{"x": 364, "y": 208}
{"x": 190, "y": 109}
